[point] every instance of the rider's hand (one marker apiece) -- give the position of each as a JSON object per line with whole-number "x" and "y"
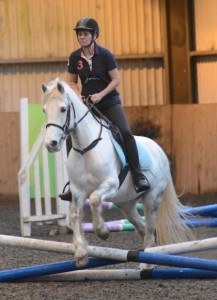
{"x": 95, "y": 98}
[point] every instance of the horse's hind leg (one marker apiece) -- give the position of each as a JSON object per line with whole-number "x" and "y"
{"x": 130, "y": 211}
{"x": 151, "y": 205}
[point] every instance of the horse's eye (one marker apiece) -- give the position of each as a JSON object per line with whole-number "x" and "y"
{"x": 63, "y": 109}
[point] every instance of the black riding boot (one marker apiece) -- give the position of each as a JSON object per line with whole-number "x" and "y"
{"x": 66, "y": 195}
{"x": 140, "y": 181}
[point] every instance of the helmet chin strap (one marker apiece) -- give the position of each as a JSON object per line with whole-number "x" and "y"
{"x": 88, "y": 46}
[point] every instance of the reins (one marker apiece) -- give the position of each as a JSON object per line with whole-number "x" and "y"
{"x": 89, "y": 106}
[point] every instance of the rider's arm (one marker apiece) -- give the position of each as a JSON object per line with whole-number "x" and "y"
{"x": 73, "y": 83}
{"x": 115, "y": 81}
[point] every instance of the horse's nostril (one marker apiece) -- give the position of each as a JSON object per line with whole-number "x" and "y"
{"x": 53, "y": 144}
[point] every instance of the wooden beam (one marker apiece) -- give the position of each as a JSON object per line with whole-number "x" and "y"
{"x": 178, "y": 48}
{"x": 64, "y": 59}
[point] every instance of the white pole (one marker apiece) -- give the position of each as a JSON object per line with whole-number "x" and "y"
{"x": 102, "y": 252}
{"x": 86, "y": 275}
{"x": 23, "y": 181}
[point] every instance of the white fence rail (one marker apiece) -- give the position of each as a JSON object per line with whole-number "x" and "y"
{"x": 40, "y": 208}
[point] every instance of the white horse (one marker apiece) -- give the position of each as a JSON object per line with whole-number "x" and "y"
{"x": 93, "y": 173}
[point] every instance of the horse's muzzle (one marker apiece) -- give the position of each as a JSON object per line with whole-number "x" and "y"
{"x": 53, "y": 146}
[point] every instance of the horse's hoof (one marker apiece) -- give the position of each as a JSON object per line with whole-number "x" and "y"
{"x": 54, "y": 230}
{"x": 81, "y": 261}
{"x": 103, "y": 234}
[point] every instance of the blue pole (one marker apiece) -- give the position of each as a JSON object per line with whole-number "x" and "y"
{"x": 201, "y": 268}
{"x": 124, "y": 225}
{"x": 52, "y": 268}
{"x": 203, "y": 222}
{"x": 173, "y": 260}
{"x": 207, "y": 210}
{"x": 177, "y": 274}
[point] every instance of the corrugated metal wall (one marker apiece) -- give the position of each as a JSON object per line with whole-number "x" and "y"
{"x": 206, "y": 42}
{"x": 43, "y": 28}
{"x": 24, "y": 80}
{"x": 205, "y": 24}
{"x": 37, "y": 37}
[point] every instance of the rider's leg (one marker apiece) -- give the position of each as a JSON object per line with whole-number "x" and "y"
{"x": 117, "y": 116}
{"x": 140, "y": 181}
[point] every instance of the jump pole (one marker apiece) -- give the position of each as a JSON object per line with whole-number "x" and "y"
{"x": 52, "y": 268}
{"x": 94, "y": 251}
{"x": 127, "y": 274}
{"x": 203, "y": 222}
{"x": 117, "y": 254}
{"x": 52, "y": 272}
{"x": 206, "y": 210}
{"x": 124, "y": 225}
{"x": 68, "y": 271}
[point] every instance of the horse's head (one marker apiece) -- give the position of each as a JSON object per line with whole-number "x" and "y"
{"x": 56, "y": 107}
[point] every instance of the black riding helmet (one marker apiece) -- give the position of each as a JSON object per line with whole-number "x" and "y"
{"x": 87, "y": 24}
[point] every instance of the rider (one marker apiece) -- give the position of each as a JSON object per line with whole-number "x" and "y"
{"x": 97, "y": 69}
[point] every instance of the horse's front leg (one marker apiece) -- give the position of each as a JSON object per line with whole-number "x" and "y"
{"x": 107, "y": 190}
{"x": 79, "y": 241}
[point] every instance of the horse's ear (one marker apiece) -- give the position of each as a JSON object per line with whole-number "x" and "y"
{"x": 60, "y": 88}
{"x": 44, "y": 87}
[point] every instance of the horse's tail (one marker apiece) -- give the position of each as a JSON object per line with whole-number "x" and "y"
{"x": 171, "y": 228}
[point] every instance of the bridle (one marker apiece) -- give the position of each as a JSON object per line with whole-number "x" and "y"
{"x": 65, "y": 127}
